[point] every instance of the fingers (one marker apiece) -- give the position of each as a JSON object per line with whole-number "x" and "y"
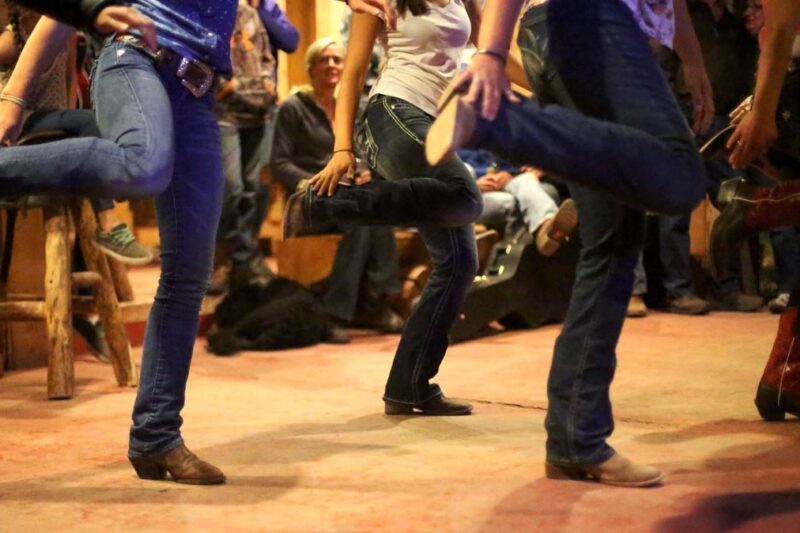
{"x": 491, "y": 101}
{"x": 120, "y": 19}
{"x": 389, "y": 14}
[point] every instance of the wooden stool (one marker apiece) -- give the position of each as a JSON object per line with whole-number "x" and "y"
{"x": 59, "y": 303}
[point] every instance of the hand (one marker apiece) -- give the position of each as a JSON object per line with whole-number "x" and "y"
{"x": 699, "y": 86}
{"x": 341, "y": 165}
{"x": 364, "y": 177}
{"x": 123, "y": 19}
{"x": 741, "y": 110}
{"x": 752, "y": 137}
{"x": 501, "y": 179}
{"x": 10, "y": 122}
{"x": 486, "y": 183}
{"x": 377, "y": 8}
{"x": 485, "y": 83}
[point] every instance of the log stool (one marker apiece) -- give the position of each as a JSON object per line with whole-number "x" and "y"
{"x": 58, "y": 304}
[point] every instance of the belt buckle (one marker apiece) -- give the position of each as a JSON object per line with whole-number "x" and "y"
{"x": 198, "y": 90}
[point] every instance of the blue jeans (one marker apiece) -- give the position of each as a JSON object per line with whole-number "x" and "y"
{"x": 74, "y": 122}
{"x": 242, "y": 158}
{"x": 442, "y": 202}
{"x": 157, "y": 139}
{"x": 619, "y": 138}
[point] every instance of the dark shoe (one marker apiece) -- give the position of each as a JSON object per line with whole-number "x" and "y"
{"x": 296, "y": 216}
{"x": 438, "y": 406}
{"x": 557, "y": 229}
{"x": 183, "y": 466}
{"x": 778, "y": 304}
{"x": 737, "y": 301}
{"x": 219, "y": 282}
{"x": 636, "y": 307}
{"x": 618, "y": 470}
{"x": 120, "y": 244}
{"x": 687, "y": 304}
{"x": 451, "y": 130}
{"x": 779, "y": 389}
{"x": 92, "y": 334}
{"x": 337, "y": 335}
{"x": 382, "y": 319}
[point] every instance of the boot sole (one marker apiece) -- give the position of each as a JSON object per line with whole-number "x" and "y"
{"x": 564, "y": 223}
{"x": 772, "y": 406}
{"x": 454, "y": 125}
{"x": 577, "y": 473}
{"x": 402, "y": 409}
{"x": 152, "y": 471}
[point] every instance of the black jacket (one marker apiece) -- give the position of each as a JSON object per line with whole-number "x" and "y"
{"x": 78, "y": 13}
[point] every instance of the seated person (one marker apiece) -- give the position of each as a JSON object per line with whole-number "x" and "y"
{"x": 515, "y": 199}
{"x": 366, "y": 265}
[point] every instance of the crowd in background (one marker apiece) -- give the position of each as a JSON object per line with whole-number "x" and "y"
{"x": 294, "y": 138}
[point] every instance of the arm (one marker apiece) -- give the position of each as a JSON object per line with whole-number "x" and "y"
{"x": 485, "y": 80}
{"x": 9, "y": 49}
{"x": 282, "y": 33}
{"x": 757, "y": 130}
{"x": 359, "y": 53}
{"x": 284, "y": 171}
{"x": 47, "y": 40}
{"x": 694, "y": 69}
{"x": 384, "y": 10}
{"x": 514, "y": 69}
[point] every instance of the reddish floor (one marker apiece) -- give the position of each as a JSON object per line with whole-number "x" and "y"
{"x": 303, "y": 440}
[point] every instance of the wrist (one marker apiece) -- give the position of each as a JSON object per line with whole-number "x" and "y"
{"x": 16, "y": 100}
{"x": 337, "y": 150}
{"x": 501, "y": 57}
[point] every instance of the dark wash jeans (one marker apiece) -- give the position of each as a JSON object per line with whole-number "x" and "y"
{"x": 618, "y": 136}
{"x": 442, "y": 202}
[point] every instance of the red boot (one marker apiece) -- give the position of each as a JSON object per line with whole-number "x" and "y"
{"x": 779, "y": 389}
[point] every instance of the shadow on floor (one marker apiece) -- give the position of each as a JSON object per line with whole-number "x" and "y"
{"x": 726, "y": 512}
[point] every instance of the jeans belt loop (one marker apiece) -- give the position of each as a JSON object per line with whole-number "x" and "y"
{"x": 195, "y": 76}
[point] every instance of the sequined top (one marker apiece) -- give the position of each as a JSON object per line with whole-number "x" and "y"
{"x": 656, "y": 18}
{"x": 198, "y": 29}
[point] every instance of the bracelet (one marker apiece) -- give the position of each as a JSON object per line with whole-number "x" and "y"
{"x": 493, "y": 53}
{"x": 13, "y": 99}
{"x": 344, "y": 150}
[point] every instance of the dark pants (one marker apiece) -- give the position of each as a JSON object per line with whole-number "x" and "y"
{"x": 242, "y": 157}
{"x": 365, "y": 270}
{"x": 621, "y": 141}
{"x": 442, "y": 202}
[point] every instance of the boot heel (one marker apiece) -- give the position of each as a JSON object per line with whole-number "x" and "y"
{"x": 147, "y": 469}
{"x": 553, "y": 471}
{"x": 394, "y": 408}
{"x": 767, "y": 404}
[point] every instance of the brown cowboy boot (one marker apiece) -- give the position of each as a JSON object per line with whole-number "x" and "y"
{"x": 779, "y": 389}
{"x": 751, "y": 209}
{"x": 181, "y": 464}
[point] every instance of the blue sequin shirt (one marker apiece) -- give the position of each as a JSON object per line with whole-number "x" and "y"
{"x": 198, "y": 29}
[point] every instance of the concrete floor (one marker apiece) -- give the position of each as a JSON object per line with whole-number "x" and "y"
{"x": 303, "y": 440}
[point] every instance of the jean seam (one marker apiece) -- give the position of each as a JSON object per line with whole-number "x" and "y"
{"x": 139, "y": 108}
{"x": 437, "y": 311}
{"x": 578, "y": 384}
{"x": 400, "y": 124}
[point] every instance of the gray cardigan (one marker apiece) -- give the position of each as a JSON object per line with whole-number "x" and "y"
{"x": 303, "y": 141}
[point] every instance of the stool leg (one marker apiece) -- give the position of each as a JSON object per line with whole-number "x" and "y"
{"x": 119, "y": 275}
{"x": 58, "y": 300}
{"x": 106, "y": 300}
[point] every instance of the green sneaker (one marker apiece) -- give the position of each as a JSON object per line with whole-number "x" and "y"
{"x": 120, "y": 244}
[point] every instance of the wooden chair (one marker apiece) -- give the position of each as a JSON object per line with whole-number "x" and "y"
{"x": 59, "y": 303}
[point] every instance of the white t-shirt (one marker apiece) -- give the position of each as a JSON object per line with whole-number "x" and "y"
{"x": 655, "y": 17}
{"x": 424, "y": 54}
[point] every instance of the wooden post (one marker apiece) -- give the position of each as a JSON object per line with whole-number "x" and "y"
{"x": 106, "y": 298}
{"x": 119, "y": 273}
{"x": 58, "y": 302}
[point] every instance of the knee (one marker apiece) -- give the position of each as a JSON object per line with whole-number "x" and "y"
{"x": 688, "y": 191}
{"x": 146, "y": 174}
